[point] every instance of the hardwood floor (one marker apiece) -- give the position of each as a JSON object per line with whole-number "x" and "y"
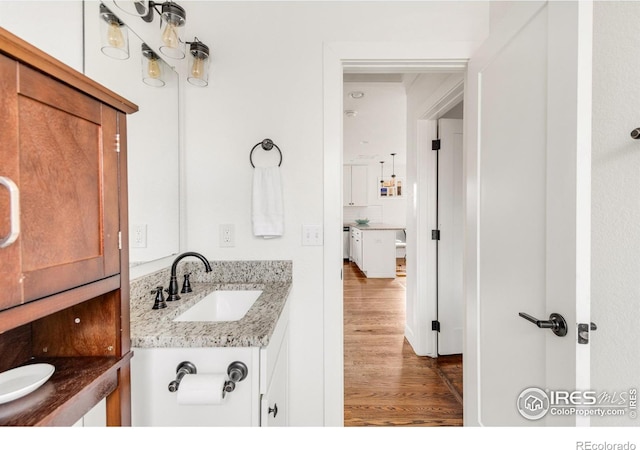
{"x": 385, "y": 383}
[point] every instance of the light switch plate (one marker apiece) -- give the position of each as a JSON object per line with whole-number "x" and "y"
{"x": 312, "y": 235}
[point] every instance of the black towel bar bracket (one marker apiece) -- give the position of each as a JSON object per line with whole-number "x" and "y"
{"x": 267, "y": 145}
{"x": 635, "y": 133}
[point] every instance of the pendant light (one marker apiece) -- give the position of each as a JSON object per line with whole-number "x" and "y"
{"x": 173, "y": 19}
{"x": 198, "y": 64}
{"x": 114, "y": 35}
{"x": 152, "y": 71}
{"x": 393, "y": 170}
{"x": 382, "y": 190}
{"x": 132, "y": 7}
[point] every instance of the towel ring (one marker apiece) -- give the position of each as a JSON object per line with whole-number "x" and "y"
{"x": 267, "y": 145}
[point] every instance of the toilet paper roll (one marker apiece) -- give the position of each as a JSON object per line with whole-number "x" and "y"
{"x": 201, "y": 389}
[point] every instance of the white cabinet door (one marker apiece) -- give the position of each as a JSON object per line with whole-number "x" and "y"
{"x": 354, "y": 186}
{"x": 357, "y": 248}
{"x": 346, "y": 185}
{"x": 359, "y": 185}
{"x": 275, "y": 410}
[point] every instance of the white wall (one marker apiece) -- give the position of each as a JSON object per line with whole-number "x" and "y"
{"x": 266, "y": 81}
{"x": 615, "y": 280}
{"x": 53, "y": 26}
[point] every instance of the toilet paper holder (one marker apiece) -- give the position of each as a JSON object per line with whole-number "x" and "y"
{"x": 237, "y": 371}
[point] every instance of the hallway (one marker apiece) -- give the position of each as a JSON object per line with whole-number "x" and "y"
{"x": 385, "y": 383}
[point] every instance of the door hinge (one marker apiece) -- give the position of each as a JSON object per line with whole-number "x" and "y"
{"x": 435, "y": 235}
{"x": 118, "y": 142}
{"x": 435, "y": 326}
{"x": 435, "y": 144}
{"x": 119, "y": 240}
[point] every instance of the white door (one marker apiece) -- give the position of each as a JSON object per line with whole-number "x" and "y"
{"x": 528, "y": 157}
{"x": 450, "y": 245}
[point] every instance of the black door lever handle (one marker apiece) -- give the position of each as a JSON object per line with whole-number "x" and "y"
{"x": 556, "y": 323}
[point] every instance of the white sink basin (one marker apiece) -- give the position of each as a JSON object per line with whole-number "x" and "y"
{"x": 220, "y": 306}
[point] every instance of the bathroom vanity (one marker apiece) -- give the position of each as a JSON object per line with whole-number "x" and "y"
{"x": 238, "y": 312}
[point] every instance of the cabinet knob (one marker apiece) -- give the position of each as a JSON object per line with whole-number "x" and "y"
{"x": 274, "y": 410}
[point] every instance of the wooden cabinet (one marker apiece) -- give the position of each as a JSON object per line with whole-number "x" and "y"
{"x": 65, "y": 278}
{"x": 354, "y": 185}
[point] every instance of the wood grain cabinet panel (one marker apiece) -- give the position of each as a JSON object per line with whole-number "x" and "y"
{"x": 64, "y": 139}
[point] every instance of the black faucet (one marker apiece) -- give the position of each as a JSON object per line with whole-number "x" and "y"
{"x": 173, "y": 283}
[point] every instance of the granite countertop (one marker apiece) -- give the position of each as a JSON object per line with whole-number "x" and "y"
{"x": 155, "y": 328}
{"x": 374, "y": 226}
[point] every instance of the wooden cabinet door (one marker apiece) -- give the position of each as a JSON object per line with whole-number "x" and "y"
{"x": 10, "y": 272}
{"x": 68, "y": 168}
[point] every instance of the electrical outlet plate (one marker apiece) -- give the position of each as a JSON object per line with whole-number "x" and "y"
{"x": 139, "y": 238}
{"x": 227, "y": 235}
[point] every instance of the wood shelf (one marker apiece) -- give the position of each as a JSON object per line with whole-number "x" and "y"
{"x": 77, "y": 384}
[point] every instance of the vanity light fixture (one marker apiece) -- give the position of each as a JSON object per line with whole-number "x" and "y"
{"x": 152, "y": 71}
{"x": 115, "y": 38}
{"x": 173, "y": 18}
{"x": 381, "y": 173}
{"x": 132, "y": 7}
{"x": 198, "y": 63}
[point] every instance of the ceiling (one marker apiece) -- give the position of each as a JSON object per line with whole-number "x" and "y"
{"x": 375, "y": 125}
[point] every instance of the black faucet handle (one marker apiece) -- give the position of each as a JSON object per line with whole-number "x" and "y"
{"x": 186, "y": 286}
{"x": 159, "y": 302}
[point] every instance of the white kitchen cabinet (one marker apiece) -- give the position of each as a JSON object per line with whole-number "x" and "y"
{"x": 356, "y": 247}
{"x": 354, "y": 185}
{"x": 374, "y": 252}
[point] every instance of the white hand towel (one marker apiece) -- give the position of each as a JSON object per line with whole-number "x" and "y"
{"x": 268, "y": 211}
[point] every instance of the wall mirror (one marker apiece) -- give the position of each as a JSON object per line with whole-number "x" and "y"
{"x": 153, "y": 141}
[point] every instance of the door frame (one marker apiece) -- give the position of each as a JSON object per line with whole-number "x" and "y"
{"x": 366, "y": 57}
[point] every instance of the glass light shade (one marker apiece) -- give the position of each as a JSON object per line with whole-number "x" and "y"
{"x": 198, "y": 64}
{"x": 173, "y": 18}
{"x": 114, "y": 35}
{"x": 152, "y": 67}
{"x": 134, "y": 8}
